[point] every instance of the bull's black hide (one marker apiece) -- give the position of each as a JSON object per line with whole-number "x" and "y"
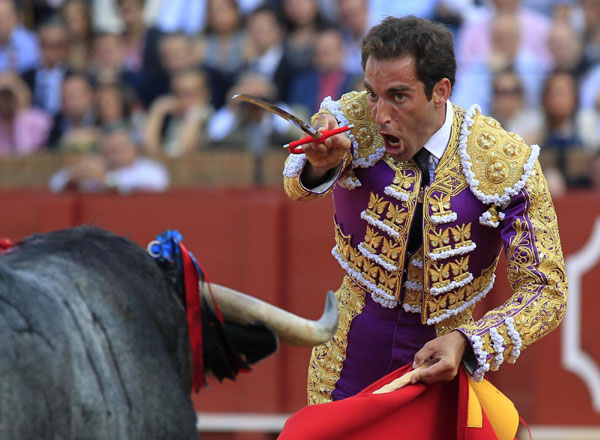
{"x": 93, "y": 342}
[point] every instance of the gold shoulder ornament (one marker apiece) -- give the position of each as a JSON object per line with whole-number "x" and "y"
{"x": 367, "y": 144}
{"x": 496, "y": 163}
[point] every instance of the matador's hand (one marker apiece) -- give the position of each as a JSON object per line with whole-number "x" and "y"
{"x": 445, "y": 353}
{"x": 327, "y": 155}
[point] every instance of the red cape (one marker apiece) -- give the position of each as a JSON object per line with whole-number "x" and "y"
{"x": 439, "y": 411}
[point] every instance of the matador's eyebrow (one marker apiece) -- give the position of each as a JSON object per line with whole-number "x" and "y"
{"x": 398, "y": 89}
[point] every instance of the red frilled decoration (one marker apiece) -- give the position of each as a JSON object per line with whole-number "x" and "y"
{"x": 169, "y": 251}
{"x": 455, "y": 410}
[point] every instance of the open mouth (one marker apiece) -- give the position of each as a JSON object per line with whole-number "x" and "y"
{"x": 391, "y": 140}
{"x": 392, "y": 144}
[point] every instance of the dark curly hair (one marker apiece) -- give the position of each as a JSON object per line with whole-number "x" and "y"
{"x": 430, "y": 43}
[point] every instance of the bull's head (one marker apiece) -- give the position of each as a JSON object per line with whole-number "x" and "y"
{"x": 231, "y": 347}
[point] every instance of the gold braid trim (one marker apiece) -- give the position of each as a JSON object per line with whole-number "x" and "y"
{"x": 325, "y": 366}
{"x": 537, "y": 276}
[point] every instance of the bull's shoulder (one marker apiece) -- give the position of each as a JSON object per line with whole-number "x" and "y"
{"x": 496, "y": 163}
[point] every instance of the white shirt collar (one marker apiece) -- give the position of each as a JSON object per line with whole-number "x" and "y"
{"x": 437, "y": 143}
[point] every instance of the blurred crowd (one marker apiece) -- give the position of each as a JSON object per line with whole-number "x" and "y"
{"x": 124, "y": 83}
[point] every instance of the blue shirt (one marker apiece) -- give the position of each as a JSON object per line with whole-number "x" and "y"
{"x": 21, "y": 52}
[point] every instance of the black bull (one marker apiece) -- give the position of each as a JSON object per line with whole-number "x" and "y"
{"x": 93, "y": 342}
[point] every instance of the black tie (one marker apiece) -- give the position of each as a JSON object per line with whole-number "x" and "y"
{"x": 416, "y": 229}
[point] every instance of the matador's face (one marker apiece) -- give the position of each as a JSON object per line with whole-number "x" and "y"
{"x": 405, "y": 118}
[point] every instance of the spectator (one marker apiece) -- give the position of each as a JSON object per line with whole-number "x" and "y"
{"x": 119, "y": 167}
{"x": 45, "y": 80}
{"x": 116, "y": 105}
{"x": 241, "y": 125}
{"x": 133, "y": 20}
{"x": 18, "y": 47}
{"x": 354, "y": 21}
{"x": 38, "y": 11}
{"x": 134, "y": 33}
{"x": 181, "y": 16}
{"x": 559, "y": 100}
{"x": 327, "y": 78}
{"x": 591, "y": 31}
{"x": 107, "y": 65}
{"x": 74, "y": 128}
{"x": 588, "y": 125}
{"x": 76, "y": 14}
{"x": 566, "y": 48}
{"x": 23, "y": 128}
{"x": 509, "y": 107}
{"x": 474, "y": 40}
{"x": 221, "y": 48}
{"x": 265, "y": 52}
{"x": 175, "y": 55}
{"x": 176, "y": 122}
{"x": 302, "y": 22}
{"x": 473, "y": 82}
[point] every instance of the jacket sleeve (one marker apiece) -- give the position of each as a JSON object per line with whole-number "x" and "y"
{"x": 536, "y": 272}
{"x": 292, "y": 179}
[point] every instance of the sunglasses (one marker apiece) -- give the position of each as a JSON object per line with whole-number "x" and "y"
{"x": 508, "y": 92}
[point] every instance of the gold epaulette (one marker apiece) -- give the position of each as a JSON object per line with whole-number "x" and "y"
{"x": 352, "y": 108}
{"x": 496, "y": 163}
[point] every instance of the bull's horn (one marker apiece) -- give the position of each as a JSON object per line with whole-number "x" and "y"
{"x": 292, "y": 329}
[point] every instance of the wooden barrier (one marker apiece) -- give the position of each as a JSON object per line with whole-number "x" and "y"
{"x": 257, "y": 241}
{"x": 212, "y": 168}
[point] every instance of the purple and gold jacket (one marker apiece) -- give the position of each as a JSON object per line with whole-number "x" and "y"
{"x": 488, "y": 195}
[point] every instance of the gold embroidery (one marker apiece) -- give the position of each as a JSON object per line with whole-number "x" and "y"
{"x": 414, "y": 277}
{"x": 376, "y": 206}
{"x": 497, "y": 157}
{"x": 363, "y": 136}
{"x": 460, "y": 269}
{"x": 439, "y": 274}
{"x": 497, "y": 171}
{"x": 449, "y": 182}
{"x": 455, "y": 321}
{"x": 535, "y": 271}
{"x": 395, "y": 216}
{"x": 355, "y": 106}
{"x": 440, "y": 305}
{"x": 440, "y": 204}
{"x": 327, "y": 359}
{"x": 461, "y": 235}
{"x": 403, "y": 183}
{"x": 372, "y": 239}
{"x": 390, "y": 251}
{"x": 440, "y": 240}
{"x": 487, "y": 141}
